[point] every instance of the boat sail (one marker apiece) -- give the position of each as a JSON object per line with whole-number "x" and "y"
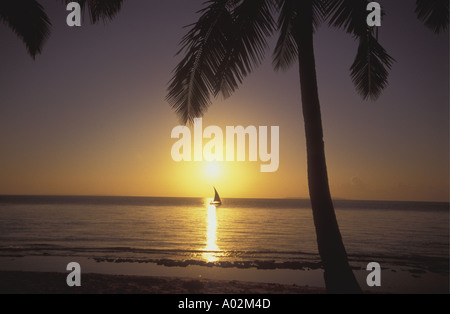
{"x": 217, "y": 201}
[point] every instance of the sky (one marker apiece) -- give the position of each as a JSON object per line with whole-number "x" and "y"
{"x": 89, "y": 115}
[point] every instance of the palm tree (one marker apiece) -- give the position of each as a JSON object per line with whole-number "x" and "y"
{"x": 229, "y": 40}
{"x": 27, "y": 18}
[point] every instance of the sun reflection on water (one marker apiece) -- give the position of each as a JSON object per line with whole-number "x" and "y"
{"x": 211, "y": 248}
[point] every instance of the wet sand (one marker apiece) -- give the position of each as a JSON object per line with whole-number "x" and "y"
{"x": 16, "y": 282}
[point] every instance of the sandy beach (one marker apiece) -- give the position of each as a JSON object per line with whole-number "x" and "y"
{"x": 47, "y": 275}
{"x": 17, "y": 282}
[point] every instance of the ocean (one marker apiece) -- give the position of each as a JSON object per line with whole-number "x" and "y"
{"x": 409, "y": 238}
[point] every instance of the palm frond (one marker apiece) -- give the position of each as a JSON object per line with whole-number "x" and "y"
{"x": 286, "y": 50}
{"x": 319, "y": 11}
{"x": 104, "y": 10}
{"x": 370, "y": 70}
{"x": 29, "y": 21}
{"x": 246, "y": 43}
{"x": 351, "y": 15}
{"x": 222, "y": 48}
{"x": 434, "y": 13}
{"x": 194, "y": 77}
{"x": 292, "y": 14}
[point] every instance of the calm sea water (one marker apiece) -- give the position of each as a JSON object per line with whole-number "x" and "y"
{"x": 243, "y": 233}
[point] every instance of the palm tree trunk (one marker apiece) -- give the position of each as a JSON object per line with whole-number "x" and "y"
{"x": 338, "y": 275}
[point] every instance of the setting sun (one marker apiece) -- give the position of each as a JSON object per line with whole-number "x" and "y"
{"x": 212, "y": 170}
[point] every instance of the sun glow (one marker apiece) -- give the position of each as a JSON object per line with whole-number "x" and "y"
{"x": 212, "y": 170}
{"x": 233, "y": 179}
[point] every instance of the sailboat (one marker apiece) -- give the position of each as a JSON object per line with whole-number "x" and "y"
{"x": 217, "y": 201}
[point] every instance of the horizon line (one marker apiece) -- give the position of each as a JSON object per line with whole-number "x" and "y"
{"x": 256, "y": 198}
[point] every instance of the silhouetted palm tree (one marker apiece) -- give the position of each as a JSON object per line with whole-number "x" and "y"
{"x": 29, "y": 21}
{"x": 229, "y": 40}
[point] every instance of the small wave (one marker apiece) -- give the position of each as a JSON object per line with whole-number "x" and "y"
{"x": 222, "y": 264}
{"x": 36, "y": 247}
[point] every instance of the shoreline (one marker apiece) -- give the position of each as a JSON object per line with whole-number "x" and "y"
{"x": 27, "y": 282}
{"x": 92, "y": 265}
{"x": 48, "y": 274}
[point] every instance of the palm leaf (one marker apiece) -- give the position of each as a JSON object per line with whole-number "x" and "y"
{"x": 194, "y": 78}
{"x": 100, "y": 9}
{"x": 434, "y": 13}
{"x": 292, "y": 14}
{"x": 351, "y": 15}
{"x": 370, "y": 70}
{"x": 222, "y": 48}
{"x": 286, "y": 50}
{"x": 319, "y": 10}
{"x": 246, "y": 43}
{"x": 29, "y": 21}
